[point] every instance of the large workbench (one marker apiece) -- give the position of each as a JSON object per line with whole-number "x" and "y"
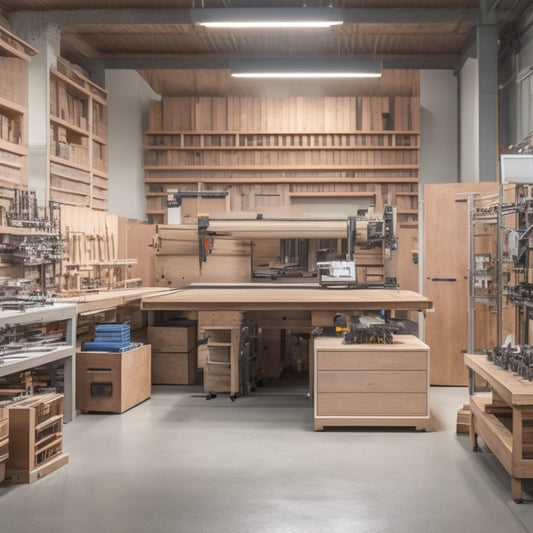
{"x": 275, "y": 306}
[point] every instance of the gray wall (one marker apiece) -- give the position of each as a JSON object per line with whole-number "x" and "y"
{"x": 128, "y": 105}
{"x": 438, "y": 124}
{"x": 516, "y": 99}
{"x": 469, "y": 122}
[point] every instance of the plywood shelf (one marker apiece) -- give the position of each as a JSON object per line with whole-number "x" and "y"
{"x": 278, "y": 179}
{"x": 69, "y": 126}
{"x": 13, "y": 46}
{"x": 332, "y": 194}
{"x": 281, "y": 168}
{"x": 13, "y": 148}
{"x": 68, "y": 163}
{"x": 78, "y": 90}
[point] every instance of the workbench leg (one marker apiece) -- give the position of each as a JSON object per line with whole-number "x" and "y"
{"x": 516, "y": 489}
{"x": 472, "y": 432}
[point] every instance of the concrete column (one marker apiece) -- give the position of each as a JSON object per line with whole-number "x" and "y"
{"x": 46, "y": 39}
{"x": 487, "y": 53}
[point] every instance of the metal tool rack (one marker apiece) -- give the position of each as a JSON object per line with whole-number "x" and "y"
{"x": 64, "y": 354}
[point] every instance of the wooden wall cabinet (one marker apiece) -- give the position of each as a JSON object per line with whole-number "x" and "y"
{"x": 371, "y": 384}
{"x": 78, "y": 139}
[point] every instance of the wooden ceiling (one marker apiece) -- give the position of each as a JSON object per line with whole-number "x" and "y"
{"x": 178, "y": 57}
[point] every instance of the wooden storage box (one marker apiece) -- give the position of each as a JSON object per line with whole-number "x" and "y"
{"x": 371, "y": 384}
{"x": 174, "y": 368}
{"x": 217, "y": 378}
{"x": 35, "y": 438}
{"x": 172, "y": 338}
{"x": 113, "y": 382}
{"x": 4, "y": 441}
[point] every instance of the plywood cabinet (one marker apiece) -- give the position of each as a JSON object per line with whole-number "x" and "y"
{"x": 371, "y": 384}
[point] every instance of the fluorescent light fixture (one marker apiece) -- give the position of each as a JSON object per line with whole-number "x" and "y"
{"x": 305, "y": 68}
{"x": 264, "y": 17}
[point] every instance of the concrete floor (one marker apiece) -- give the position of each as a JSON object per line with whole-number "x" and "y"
{"x": 179, "y": 463}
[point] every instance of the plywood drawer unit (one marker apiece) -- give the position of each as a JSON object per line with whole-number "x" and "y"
{"x": 174, "y": 368}
{"x": 113, "y": 382}
{"x": 371, "y": 384}
{"x": 35, "y": 438}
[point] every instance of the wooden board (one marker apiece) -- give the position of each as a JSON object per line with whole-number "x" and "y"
{"x": 172, "y": 339}
{"x": 263, "y": 298}
{"x": 446, "y": 277}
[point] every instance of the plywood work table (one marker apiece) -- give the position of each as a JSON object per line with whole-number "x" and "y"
{"x": 318, "y": 305}
{"x": 265, "y": 297}
{"x": 504, "y": 419}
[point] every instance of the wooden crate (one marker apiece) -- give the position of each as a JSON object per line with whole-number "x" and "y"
{"x": 112, "y": 382}
{"x": 35, "y": 438}
{"x": 172, "y": 338}
{"x": 174, "y": 368}
{"x": 463, "y": 419}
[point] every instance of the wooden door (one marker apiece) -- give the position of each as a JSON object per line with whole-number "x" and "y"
{"x": 446, "y": 277}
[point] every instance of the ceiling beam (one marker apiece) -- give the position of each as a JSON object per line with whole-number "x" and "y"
{"x": 172, "y": 63}
{"x": 142, "y": 16}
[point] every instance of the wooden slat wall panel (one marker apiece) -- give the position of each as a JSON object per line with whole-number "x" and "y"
{"x": 263, "y": 149}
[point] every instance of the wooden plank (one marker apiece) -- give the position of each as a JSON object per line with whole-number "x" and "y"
{"x": 254, "y": 298}
{"x": 371, "y": 381}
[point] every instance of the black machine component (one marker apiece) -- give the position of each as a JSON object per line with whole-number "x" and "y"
{"x": 371, "y": 330}
{"x": 517, "y": 359}
{"x": 382, "y": 231}
{"x": 178, "y": 196}
{"x": 521, "y": 294}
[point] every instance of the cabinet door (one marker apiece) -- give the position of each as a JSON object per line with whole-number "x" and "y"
{"x": 446, "y": 277}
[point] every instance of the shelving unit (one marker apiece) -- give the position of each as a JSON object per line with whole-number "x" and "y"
{"x": 78, "y": 139}
{"x": 266, "y": 158}
{"x": 24, "y": 360}
{"x": 36, "y": 438}
{"x": 221, "y": 368}
{"x": 15, "y": 55}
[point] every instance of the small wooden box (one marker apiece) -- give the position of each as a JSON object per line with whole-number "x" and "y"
{"x": 113, "y": 382}
{"x": 171, "y": 338}
{"x": 174, "y": 368}
{"x": 35, "y": 438}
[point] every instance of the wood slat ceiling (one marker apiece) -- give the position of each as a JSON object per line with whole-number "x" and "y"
{"x": 80, "y": 43}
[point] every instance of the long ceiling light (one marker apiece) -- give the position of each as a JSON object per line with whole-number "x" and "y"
{"x": 305, "y": 68}
{"x": 264, "y": 17}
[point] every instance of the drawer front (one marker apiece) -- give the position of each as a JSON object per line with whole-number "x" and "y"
{"x": 372, "y": 381}
{"x": 371, "y": 404}
{"x": 382, "y": 360}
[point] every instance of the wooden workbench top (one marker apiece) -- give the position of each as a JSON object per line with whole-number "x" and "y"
{"x": 401, "y": 343}
{"x": 513, "y": 389}
{"x": 265, "y": 298}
